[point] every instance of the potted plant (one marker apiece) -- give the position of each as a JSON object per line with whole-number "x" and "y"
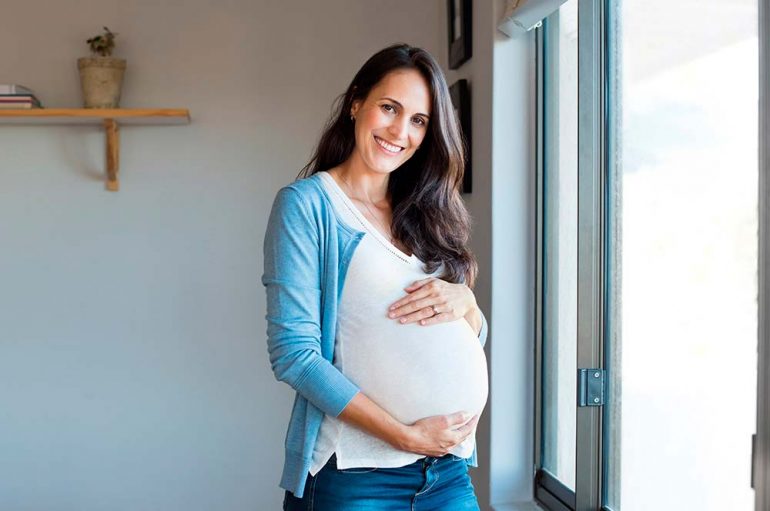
{"x": 101, "y": 76}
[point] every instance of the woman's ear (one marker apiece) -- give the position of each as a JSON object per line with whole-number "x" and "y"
{"x": 354, "y": 108}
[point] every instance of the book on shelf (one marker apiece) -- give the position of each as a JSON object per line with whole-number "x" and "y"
{"x": 18, "y": 98}
{"x": 15, "y": 89}
{"x": 20, "y": 106}
{"x": 25, "y": 106}
{"x": 5, "y": 108}
{"x": 13, "y": 101}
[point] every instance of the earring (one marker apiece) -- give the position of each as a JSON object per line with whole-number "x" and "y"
{"x": 352, "y": 118}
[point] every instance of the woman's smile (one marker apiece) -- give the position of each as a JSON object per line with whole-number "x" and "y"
{"x": 390, "y": 149}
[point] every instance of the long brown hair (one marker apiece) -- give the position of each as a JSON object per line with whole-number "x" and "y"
{"x": 429, "y": 216}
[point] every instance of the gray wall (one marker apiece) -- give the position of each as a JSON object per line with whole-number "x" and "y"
{"x": 133, "y": 368}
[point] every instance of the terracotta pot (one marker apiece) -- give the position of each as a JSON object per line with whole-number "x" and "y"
{"x": 101, "y": 79}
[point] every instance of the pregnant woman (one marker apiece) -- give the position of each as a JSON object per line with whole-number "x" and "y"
{"x": 371, "y": 317}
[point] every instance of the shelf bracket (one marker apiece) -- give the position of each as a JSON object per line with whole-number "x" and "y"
{"x": 112, "y": 136}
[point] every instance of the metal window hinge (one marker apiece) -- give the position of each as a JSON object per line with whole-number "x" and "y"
{"x": 591, "y": 387}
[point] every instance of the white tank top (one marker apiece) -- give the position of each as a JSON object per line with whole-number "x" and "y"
{"x": 411, "y": 371}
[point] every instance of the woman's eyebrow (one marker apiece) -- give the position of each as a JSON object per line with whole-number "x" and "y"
{"x": 402, "y": 106}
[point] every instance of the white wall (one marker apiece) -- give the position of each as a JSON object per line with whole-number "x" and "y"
{"x": 133, "y": 367}
{"x": 513, "y": 268}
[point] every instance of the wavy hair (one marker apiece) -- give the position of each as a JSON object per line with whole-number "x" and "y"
{"x": 429, "y": 216}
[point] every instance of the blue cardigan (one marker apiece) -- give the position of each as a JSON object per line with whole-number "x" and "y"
{"x": 307, "y": 251}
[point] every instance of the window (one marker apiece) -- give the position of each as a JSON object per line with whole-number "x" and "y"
{"x": 648, "y": 266}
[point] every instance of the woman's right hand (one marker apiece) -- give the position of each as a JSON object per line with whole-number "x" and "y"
{"x": 432, "y": 436}
{"x": 437, "y": 435}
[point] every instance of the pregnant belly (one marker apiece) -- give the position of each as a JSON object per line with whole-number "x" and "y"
{"x": 415, "y": 371}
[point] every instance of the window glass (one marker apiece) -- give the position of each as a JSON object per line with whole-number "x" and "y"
{"x": 560, "y": 245}
{"x": 682, "y": 338}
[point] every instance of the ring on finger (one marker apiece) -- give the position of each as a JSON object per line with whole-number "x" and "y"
{"x": 435, "y": 310}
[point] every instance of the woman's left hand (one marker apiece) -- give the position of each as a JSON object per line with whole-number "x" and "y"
{"x": 433, "y": 300}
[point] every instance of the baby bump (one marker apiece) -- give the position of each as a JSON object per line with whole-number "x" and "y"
{"x": 415, "y": 371}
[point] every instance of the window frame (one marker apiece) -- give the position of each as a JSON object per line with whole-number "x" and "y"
{"x": 761, "y": 468}
{"x": 592, "y": 221}
{"x": 548, "y": 490}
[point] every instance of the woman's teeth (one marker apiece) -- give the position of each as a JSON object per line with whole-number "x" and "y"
{"x": 388, "y": 147}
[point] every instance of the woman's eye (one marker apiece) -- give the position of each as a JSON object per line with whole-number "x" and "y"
{"x": 388, "y": 108}
{"x": 419, "y": 121}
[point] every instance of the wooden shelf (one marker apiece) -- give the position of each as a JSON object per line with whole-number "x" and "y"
{"x": 109, "y": 118}
{"x": 95, "y": 115}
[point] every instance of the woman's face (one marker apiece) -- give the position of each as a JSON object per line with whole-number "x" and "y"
{"x": 391, "y": 123}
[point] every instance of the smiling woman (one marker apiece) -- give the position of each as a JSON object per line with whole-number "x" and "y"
{"x": 371, "y": 313}
{"x": 397, "y": 127}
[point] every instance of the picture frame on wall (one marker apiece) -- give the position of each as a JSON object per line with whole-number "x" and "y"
{"x": 461, "y": 100}
{"x": 460, "y": 37}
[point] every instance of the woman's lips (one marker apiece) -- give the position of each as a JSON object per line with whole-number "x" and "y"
{"x": 387, "y": 147}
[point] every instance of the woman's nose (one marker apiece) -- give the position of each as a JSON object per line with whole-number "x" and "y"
{"x": 399, "y": 128}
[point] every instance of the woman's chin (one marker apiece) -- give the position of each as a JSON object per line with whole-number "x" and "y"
{"x": 387, "y": 166}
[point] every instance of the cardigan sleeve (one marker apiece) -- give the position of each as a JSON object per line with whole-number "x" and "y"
{"x": 292, "y": 279}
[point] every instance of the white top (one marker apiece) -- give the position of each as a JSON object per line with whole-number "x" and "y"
{"x": 412, "y": 371}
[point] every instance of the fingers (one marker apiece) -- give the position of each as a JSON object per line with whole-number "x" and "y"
{"x": 418, "y": 283}
{"x": 427, "y": 317}
{"x": 417, "y": 305}
{"x": 406, "y": 304}
{"x": 423, "y": 303}
{"x": 458, "y": 418}
{"x": 437, "y": 318}
{"x": 430, "y": 308}
{"x": 426, "y": 294}
{"x": 422, "y": 314}
{"x": 467, "y": 428}
{"x": 462, "y": 433}
{"x": 447, "y": 432}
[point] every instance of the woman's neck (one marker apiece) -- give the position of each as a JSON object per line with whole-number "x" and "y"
{"x": 365, "y": 184}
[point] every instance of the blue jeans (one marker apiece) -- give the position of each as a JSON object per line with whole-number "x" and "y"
{"x": 427, "y": 484}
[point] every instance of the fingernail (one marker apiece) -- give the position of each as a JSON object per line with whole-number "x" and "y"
{"x": 392, "y": 314}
